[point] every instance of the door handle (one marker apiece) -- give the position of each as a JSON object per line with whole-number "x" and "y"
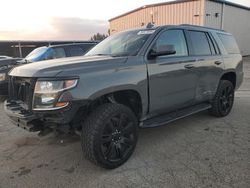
{"x": 189, "y": 66}
{"x": 217, "y": 62}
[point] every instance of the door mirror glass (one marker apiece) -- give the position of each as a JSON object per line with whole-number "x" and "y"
{"x": 163, "y": 50}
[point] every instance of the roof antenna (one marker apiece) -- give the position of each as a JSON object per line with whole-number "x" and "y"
{"x": 150, "y": 25}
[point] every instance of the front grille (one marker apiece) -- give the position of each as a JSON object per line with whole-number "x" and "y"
{"x": 21, "y": 89}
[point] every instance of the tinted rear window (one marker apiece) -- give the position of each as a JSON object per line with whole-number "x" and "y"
{"x": 87, "y": 47}
{"x": 75, "y": 51}
{"x": 229, "y": 43}
{"x": 200, "y": 43}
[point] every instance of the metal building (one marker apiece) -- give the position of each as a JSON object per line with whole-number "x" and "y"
{"x": 218, "y": 14}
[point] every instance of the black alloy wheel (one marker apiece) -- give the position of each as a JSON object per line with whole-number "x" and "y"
{"x": 226, "y": 99}
{"x": 109, "y": 135}
{"x": 223, "y": 100}
{"x": 117, "y": 138}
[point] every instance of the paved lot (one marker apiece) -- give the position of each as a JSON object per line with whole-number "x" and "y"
{"x": 198, "y": 151}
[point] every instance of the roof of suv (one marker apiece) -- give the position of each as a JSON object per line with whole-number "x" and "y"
{"x": 183, "y": 26}
{"x": 74, "y": 44}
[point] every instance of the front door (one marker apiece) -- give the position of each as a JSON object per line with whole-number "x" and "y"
{"x": 172, "y": 78}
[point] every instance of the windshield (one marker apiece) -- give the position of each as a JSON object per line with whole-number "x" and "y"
{"x": 36, "y": 53}
{"x": 123, "y": 44}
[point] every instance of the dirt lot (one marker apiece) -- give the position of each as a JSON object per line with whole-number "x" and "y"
{"x": 198, "y": 151}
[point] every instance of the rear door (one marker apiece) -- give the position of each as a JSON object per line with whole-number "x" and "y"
{"x": 172, "y": 78}
{"x": 207, "y": 54}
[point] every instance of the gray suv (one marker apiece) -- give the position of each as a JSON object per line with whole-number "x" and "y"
{"x": 135, "y": 79}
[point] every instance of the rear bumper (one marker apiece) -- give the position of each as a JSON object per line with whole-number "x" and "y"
{"x": 37, "y": 120}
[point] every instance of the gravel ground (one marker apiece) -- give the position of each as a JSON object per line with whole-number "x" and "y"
{"x": 198, "y": 151}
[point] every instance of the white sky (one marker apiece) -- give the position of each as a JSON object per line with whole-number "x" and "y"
{"x": 60, "y": 19}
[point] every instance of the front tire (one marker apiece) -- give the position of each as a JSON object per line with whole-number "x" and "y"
{"x": 109, "y": 135}
{"x": 224, "y": 98}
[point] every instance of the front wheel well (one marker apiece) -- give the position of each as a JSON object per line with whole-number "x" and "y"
{"x": 230, "y": 76}
{"x": 129, "y": 98}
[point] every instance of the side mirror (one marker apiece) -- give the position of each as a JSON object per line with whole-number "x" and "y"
{"x": 163, "y": 50}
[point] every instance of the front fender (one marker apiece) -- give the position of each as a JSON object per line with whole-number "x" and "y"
{"x": 131, "y": 75}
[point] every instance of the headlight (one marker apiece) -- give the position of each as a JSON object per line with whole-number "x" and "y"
{"x": 46, "y": 94}
{"x": 2, "y": 76}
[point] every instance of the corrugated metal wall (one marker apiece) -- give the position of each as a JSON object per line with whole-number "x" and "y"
{"x": 213, "y": 14}
{"x": 232, "y": 19}
{"x": 237, "y": 22}
{"x": 197, "y": 12}
{"x": 190, "y": 12}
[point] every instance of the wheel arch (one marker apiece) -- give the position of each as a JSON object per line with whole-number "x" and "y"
{"x": 230, "y": 76}
{"x": 128, "y": 97}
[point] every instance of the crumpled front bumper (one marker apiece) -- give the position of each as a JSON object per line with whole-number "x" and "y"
{"x": 21, "y": 117}
{"x": 37, "y": 120}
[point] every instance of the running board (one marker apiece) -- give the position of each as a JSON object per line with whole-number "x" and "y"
{"x": 170, "y": 117}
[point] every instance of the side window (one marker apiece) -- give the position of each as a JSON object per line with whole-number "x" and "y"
{"x": 217, "y": 50}
{"x": 200, "y": 43}
{"x": 87, "y": 47}
{"x": 58, "y": 53}
{"x": 175, "y": 38}
{"x": 75, "y": 51}
{"x": 229, "y": 43}
{"x": 49, "y": 54}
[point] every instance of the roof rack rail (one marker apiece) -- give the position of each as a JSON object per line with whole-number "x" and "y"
{"x": 198, "y": 26}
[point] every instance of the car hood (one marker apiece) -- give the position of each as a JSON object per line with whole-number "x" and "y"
{"x": 9, "y": 61}
{"x": 7, "y": 64}
{"x": 53, "y": 68}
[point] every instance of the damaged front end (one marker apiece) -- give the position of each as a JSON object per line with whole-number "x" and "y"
{"x": 19, "y": 105}
{"x": 20, "y": 109}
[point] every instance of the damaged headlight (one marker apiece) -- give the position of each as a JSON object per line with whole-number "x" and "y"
{"x": 47, "y": 93}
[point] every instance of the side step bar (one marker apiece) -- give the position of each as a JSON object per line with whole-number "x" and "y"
{"x": 170, "y": 117}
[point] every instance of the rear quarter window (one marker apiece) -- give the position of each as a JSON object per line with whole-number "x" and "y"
{"x": 229, "y": 43}
{"x": 200, "y": 43}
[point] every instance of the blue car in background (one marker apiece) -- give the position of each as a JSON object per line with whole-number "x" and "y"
{"x": 58, "y": 51}
{"x": 41, "y": 54}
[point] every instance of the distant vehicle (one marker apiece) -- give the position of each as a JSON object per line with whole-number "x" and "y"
{"x": 58, "y": 51}
{"x": 6, "y": 64}
{"x": 40, "y": 54}
{"x": 135, "y": 79}
{"x": 4, "y": 57}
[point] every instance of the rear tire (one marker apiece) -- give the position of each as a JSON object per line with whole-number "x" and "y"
{"x": 224, "y": 98}
{"x": 109, "y": 135}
